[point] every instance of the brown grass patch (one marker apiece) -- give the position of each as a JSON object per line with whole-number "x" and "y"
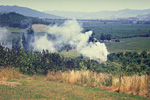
{"x": 13, "y": 84}
{"x": 9, "y": 73}
{"x": 85, "y": 78}
{"x": 135, "y": 84}
{"x": 40, "y": 28}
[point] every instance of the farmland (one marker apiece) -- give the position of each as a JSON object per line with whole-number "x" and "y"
{"x": 130, "y": 44}
{"x": 117, "y": 30}
{"x": 127, "y": 44}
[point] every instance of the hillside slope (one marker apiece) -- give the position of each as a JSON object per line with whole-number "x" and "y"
{"x": 49, "y": 90}
{"x": 26, "y": 12}
{"x": 125, "y": 13}
{"x": 13, "y": 19}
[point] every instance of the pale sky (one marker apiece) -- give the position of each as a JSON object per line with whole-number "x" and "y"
{"x": 79, "y": 5}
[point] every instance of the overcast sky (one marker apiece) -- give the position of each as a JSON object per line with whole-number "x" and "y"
{"x": 79, "y": 5}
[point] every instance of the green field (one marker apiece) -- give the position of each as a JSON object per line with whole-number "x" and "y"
{"x": 28, "y": 88}
{"x": 130, "y": 44}
{"x": 117, "y": 30}
{"x": 70, "y": 53}
{"x": 17, "y": 30}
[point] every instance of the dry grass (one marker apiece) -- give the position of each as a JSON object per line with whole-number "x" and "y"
{"x": 85, "y": 78}
{"x": 137, "y": 85}
{"x": 9, "y": 73}
{"x": 36, "y": 87}
{"x": 12, "y": 84}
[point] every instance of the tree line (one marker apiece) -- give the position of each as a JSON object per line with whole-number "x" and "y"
{"x": 41, "y": 62}
{"x": 132, "y": 62}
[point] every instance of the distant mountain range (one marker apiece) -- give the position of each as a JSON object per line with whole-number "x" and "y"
{"x": 125, "y": 13}
{"x": 26, "y": 12}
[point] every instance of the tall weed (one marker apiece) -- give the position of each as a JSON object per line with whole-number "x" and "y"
{"x": 9, "y": 73}
{"x": 137, "y": 85}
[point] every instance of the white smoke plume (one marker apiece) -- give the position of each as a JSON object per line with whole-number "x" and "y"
{"x": 43, "y": 43}
{"x": 71, "y": 33}
{"x": 4, "y": 37}
{"x": 3, "y": 34}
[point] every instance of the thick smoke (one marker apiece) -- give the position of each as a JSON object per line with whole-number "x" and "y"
{"x": 28, "y": 38}
{"x": 4, "y": 37}
{"x": 3, "y": 34}
{"x": 70, "y": 33}
{"x": 43, "y": 43}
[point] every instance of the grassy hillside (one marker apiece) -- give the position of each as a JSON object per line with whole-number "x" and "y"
{"x": 16, "y": 20}
{"x": 28, "y": 88}
{"x": 15, "y": 30}
{"x": 70, "y": 85}
{"x": 26, "y": 11}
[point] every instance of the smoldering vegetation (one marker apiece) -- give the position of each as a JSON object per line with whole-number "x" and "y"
{"x": 70, "y": 33}
{"x": 38, "y": 51}
{"x": 57, "y": 37}
{"x": 5, "y": 37}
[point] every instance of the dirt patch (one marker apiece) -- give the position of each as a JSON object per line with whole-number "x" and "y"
{"x": 12, "y": 84}
{"x": 40, "y": 28}
{"x": 104, "y": 99}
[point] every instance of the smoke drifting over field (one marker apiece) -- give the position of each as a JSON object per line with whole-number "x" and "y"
{"x": 4, "y": 36}
{"x": 70, "y": 33}
{"x": 57, "y": 37}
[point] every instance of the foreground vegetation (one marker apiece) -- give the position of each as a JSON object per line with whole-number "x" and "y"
{"x": 39, "y": 87}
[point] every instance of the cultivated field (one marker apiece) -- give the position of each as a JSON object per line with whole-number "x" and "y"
{"x": 129, "y": 44}
{"x": 117, "y": 30}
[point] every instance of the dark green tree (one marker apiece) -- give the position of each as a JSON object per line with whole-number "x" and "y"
{"x": 144, "y": 54}
{"x": 102, "y": 37}
{"x": 24, "y": 42}
{"x": 108, "y": 37}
